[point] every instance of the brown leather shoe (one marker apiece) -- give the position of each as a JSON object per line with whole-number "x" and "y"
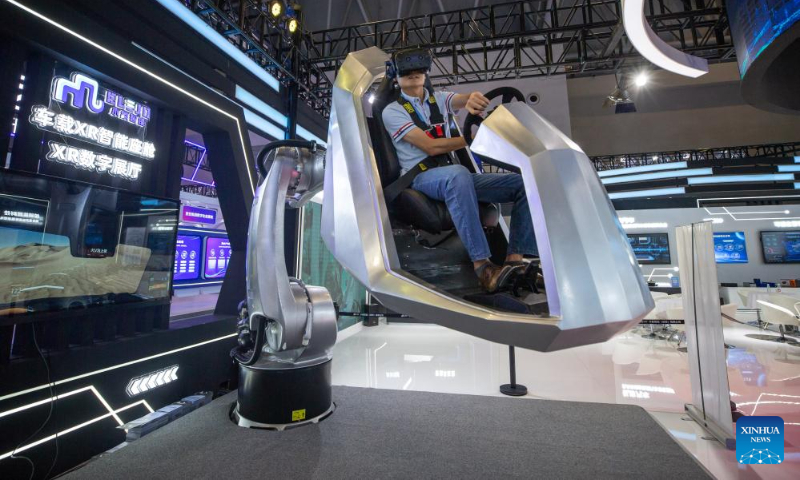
{"x": 491, "y": 277}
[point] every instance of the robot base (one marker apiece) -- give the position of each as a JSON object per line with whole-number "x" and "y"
{"x": 283, "y": 398}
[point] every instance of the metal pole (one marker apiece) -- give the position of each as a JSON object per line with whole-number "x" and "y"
{"x": 513, "y": 366}
{"x": 513, "y": 389}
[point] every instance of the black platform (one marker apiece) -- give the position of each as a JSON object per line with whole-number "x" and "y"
{"x": 399, "y": 434}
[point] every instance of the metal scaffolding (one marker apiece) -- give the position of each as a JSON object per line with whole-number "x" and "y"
{"x": 610, "y": 162}
{"x": 194, "y": 156}
{"x": 532, "y": 38}
{"x": 248, "y": 25}
{"x": 511, "y": 40}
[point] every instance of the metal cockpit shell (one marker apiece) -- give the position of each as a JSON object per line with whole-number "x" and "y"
{"x": 593, "y": 283}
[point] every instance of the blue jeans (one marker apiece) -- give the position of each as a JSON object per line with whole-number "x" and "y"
{"x": 462, "y": 190}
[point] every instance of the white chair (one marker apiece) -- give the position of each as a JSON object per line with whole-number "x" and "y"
{"x": 729, "y": 310}
{"x": 743, "y": 294}
{"x": 750, "y": 303}
{"x": 783, "y": 311}
{"x": 679, "y": 330}
{"x": 661, "y": 304}
{"x": 674, "y": 314}
{"x": 750, "y": 295}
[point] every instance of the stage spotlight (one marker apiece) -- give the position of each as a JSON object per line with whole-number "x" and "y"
{"x": 276, "y": 8}
{"x": 620, "y": 98}
{"x": 641, "y": 79}
{"x": 293, "y": 25}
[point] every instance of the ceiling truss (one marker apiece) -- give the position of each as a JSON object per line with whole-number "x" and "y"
{"x": 527, "y": 38}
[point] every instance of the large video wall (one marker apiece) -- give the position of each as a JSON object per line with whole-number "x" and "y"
{"x": 755, "y": 24}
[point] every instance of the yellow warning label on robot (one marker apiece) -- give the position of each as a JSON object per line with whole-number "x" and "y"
{"x": 298, "y": 415}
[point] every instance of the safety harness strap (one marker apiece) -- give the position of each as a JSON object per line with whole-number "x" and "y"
{"x": 436, "y": 129}
{"x": 393, "y": 190}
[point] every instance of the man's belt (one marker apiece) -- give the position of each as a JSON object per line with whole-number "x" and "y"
{"x": 393, "y": 190}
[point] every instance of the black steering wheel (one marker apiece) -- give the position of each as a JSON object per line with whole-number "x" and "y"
{"x": 507, "y": 94}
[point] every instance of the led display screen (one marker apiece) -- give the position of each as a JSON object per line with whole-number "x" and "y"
{"x": 755, "y": 24}
{"x": 187, "y": 258}
{"x": 730, "y": 247}
{"x": 781, "y": 247}
{"x": 68, "y": 244}
{"x": 650, "y": 248}
{"x": 191, "y": 214}
{"x": 217, "y": 256}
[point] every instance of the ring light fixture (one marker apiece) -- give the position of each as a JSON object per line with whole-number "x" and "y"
{"x": 651, "y": 47}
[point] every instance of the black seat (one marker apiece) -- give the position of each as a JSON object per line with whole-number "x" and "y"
{"x": 411, "y": 207}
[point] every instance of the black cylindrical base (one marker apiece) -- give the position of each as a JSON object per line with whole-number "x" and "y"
{"x": 281, "y": 398}
{"x": 515, "y": 390}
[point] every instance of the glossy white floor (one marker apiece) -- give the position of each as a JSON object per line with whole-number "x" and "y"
{"x": 764, "y": 378}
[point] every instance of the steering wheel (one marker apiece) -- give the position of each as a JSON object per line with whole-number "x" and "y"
{"x": 507, "y": 94}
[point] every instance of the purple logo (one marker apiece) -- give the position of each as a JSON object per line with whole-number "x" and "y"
{"x": 78, "y": 91}
{"x": 198, "y": 215}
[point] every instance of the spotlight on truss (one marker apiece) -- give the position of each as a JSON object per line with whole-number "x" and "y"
{"x": 276, "y": 8}
{"x": 619, "y": 98}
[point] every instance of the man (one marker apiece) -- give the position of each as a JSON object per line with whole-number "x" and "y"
{"x": 453, "y": 184}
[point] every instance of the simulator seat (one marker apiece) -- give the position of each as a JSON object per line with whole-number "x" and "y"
{"x": 412, "y": 207}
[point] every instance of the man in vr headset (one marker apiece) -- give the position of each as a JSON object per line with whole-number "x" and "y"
{"x": 420, "y": 129}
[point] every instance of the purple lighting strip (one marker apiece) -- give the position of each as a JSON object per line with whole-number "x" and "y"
{"x": 199, "y": 162}
{"x": 212, "y": 184}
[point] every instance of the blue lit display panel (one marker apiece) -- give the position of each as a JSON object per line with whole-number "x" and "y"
{"x": 755, "y": 24}
{"x": 187, "y": 258}
{"x": 650, "y": 248}
{"x": 730, "y": 247}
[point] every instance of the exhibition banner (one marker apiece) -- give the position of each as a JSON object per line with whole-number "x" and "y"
{"x": 708, "y": 371}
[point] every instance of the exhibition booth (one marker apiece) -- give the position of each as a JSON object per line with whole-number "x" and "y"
{"x": 212, "y": 262}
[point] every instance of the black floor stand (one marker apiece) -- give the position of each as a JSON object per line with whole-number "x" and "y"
{"x": 513, "y": 389}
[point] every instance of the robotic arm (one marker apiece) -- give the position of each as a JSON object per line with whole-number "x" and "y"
{"x": 292, "y": 324}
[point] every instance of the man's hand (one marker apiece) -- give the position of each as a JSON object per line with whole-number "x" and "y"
{"x": 433, "y": 146}
{"x": 476, "y": 103}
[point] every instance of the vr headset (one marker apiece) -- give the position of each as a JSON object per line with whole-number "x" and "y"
{"x": 406, "y": 61}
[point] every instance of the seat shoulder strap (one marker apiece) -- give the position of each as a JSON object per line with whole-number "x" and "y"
{"x": 436, "y": 114}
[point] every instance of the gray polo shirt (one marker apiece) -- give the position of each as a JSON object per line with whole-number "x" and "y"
{"x": 398, "y": 123}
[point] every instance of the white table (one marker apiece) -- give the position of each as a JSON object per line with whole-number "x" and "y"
{"x": 754, "y": 294}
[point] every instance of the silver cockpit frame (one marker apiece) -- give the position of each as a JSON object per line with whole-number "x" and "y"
{"x": 593, "y": 283}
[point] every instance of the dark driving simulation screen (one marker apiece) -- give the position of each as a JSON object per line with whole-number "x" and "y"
{"x": 65, "y": 244}
{"x": 650, "y": 248}
{"x": 781, "y": 247}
